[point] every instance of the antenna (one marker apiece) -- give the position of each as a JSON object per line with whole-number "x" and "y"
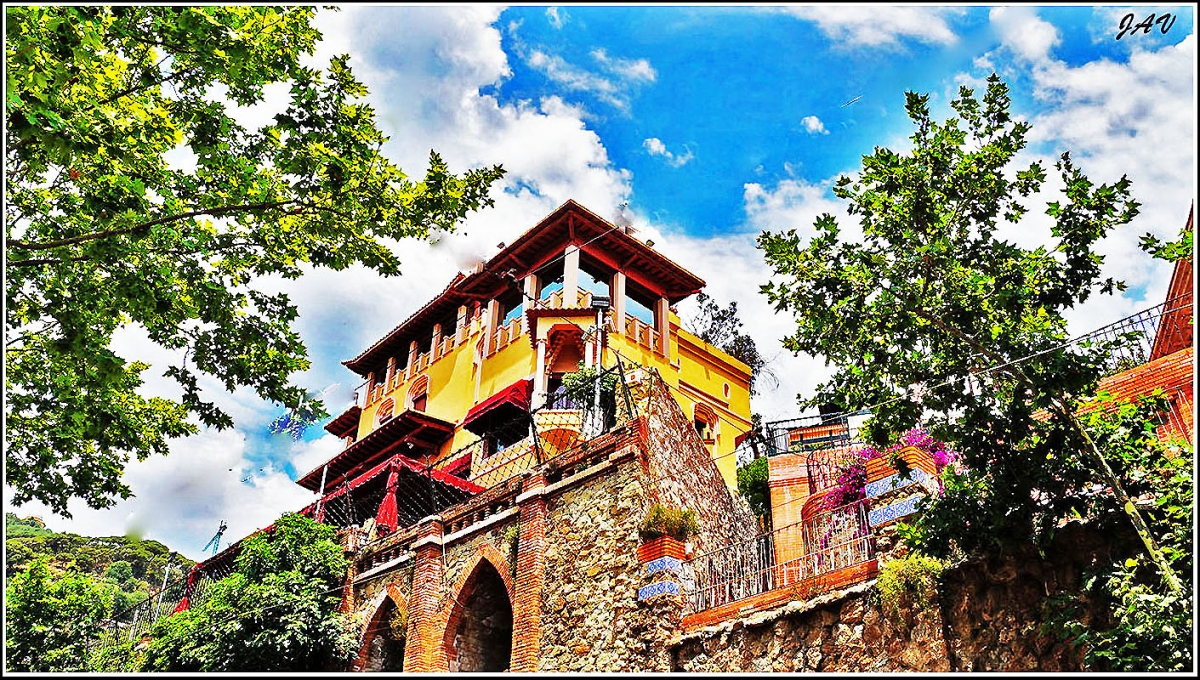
{"x": 215, "y": 541}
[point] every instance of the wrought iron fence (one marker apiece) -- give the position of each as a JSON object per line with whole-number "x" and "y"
{"x": 1130, "y": 341}
{"x": 832, "y": 540}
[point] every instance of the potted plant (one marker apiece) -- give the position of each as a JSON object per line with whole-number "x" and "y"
{"x": 664, "y": 532}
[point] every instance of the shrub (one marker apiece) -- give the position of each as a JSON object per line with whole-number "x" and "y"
{"x": 663, "y": 521}
{"x": 912, "y": 580}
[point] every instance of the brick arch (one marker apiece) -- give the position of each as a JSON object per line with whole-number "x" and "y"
{"x": 486, "y": 552}
{"x": 452, "y": 605}
{"x": 377, "y": 606}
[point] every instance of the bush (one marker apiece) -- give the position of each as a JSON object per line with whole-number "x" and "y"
{"x": 911, "y": 580}
{"x": 663, "y": 521}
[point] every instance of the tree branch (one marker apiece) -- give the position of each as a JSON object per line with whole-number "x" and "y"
{"x": 214, "y": 212}
{"x": 134, "y": 88}
{"x": 46, "y": 260}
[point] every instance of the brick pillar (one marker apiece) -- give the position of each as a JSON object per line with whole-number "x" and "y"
{"x": 788, "y": 481}
{"x": 350, "y": 551}
{"x": 527, "y": 587}
{"x": 422, "y": 650}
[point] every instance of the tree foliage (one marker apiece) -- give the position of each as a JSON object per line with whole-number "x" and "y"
{"x": 278, "y": 611}
{"x": 934, "y": 316}
{"x": 722, "y": 328}
{"x": 1149, "y": 629}
{"x": 752, "y": 481}
{"x": 136, "y": 199}
{"x": 50, "y": 619}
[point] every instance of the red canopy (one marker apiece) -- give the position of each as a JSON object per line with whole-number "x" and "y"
{"x": 510, "y": 402}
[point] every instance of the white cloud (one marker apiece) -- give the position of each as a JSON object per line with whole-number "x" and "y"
{"x": 556, "y": 18}
{"x": 814, "y": 126}
{"x": 180, "y": 498}
{"x": 1134, "y": 118}
{"x": 615, "y": 88}
{"x": 734, "y": 269}
{"x": 626, "y": 69}
{"x": 426, "y": 90}
{"x": 1021, "y": 30}
{"x": 879, "y": 25}
{"x": 655, "y": 147}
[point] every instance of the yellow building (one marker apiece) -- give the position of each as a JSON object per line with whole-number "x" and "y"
{"x": 496, "y": 343}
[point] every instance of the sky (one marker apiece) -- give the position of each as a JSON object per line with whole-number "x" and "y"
{"x": 713, "y": 124}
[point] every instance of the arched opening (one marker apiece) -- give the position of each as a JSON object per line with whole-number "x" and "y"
{"x": 383, "y": 643}
{"x": 479, "y": 638}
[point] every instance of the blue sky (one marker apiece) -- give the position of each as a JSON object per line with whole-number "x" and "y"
{"x": 713, "y": 124}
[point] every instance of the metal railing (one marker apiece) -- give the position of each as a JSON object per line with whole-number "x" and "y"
{"x": 132, "y": 623}
{"x": 1130, "y": 341}
{"x": 830, "y": 541}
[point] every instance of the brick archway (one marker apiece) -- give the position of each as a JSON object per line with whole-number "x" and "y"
{"x": 482, "y": 592}
{"x": 379, "y": 649}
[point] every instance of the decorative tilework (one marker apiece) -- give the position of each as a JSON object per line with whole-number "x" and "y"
{"x": 918, "y": 476}
{"x": 672, "y": 564}
{"x": 659, "y": 588}
{"x": 894, "y": 511}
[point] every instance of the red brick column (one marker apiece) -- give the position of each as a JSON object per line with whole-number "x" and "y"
{"x": 527, "y": 587}
{"x": 421, "y": 650}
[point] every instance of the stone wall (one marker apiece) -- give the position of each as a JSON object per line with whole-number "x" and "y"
{"x": 680, "y": 471}
{"x": 985, "y": 617}
{"x": 591, "y": 618}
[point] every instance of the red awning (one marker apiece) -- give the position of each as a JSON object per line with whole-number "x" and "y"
{"x": 510, "y": 402}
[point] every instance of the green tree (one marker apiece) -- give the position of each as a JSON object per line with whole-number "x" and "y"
{"x": 278, "y": 611}
{"x": 119, "y": 572}
{"x": 752, "y": 481}
{"x": 933, "y": 316}
{"x": 107, "y": 228}
{"x": 50, "y": 620}
{"x": 722, "y": 328}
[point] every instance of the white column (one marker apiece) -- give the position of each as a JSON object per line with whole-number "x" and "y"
{"x": 412, "y": 360}
{"x": 570, "y": 291}
{"x": 539, "y": 375}
{"x": 493, "y": 313}
{"x": 529, "y": 301}
{"x": 618, "y": 302}
{"x": 662, "y": 319}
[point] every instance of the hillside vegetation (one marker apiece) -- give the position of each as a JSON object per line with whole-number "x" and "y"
{"x": 134, "y": 567}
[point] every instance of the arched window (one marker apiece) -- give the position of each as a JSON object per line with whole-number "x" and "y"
{"x": 418, "y": 394}
{"x": 385, "y": 412}
{"x": 705, "y": 420}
